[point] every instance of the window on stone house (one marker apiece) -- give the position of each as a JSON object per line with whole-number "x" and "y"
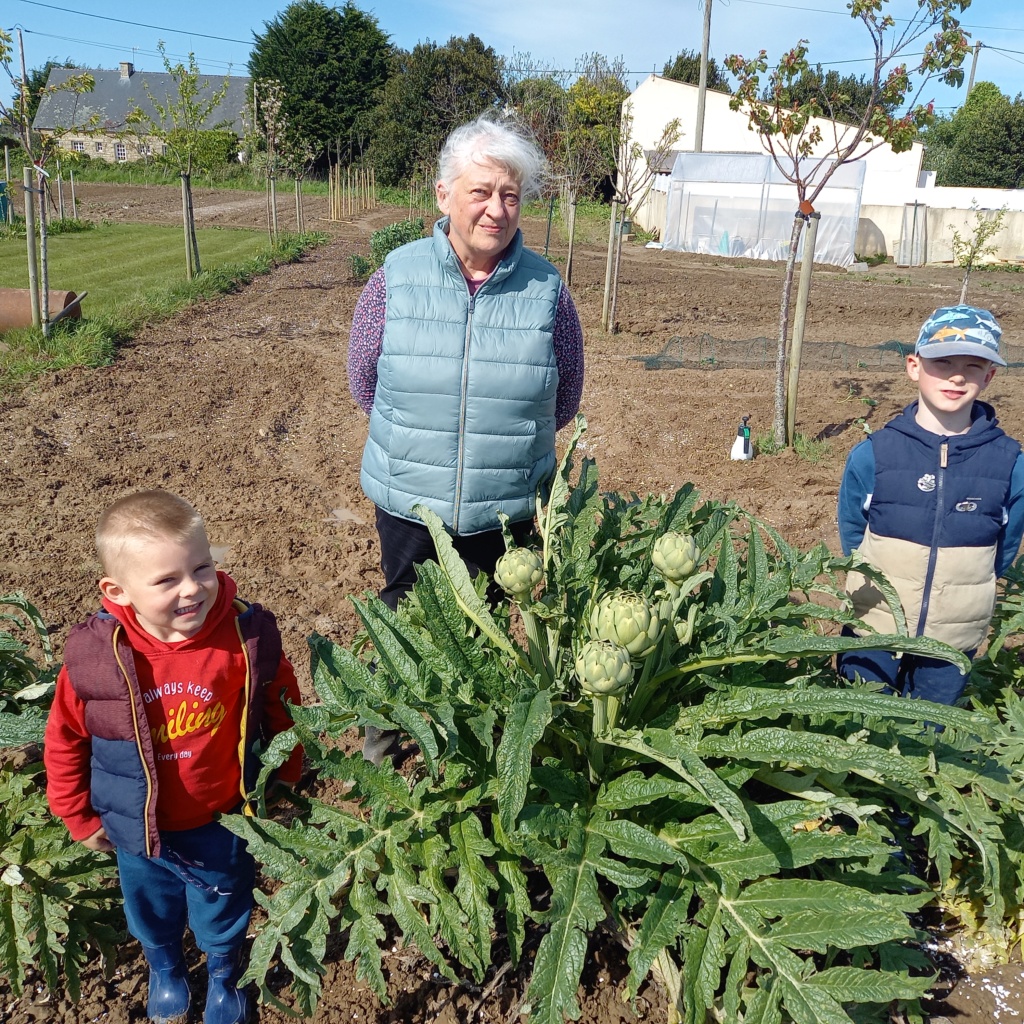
{"x": 120, "y": 152}
{"x": 99, "y": 147}
{"x": 77, "y": 146}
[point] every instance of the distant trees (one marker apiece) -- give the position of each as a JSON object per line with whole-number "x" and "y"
{"x": 431, "y": 90}
{"x": 686, "y": 68}
{"x": 332, "y": 64}
{"x": 843, "y": 98}
{"x": 982, "y": 144}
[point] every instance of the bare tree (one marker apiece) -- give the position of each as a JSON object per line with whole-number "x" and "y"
{"x": 635, "y": 172}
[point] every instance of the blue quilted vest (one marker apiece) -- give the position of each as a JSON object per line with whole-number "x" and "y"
{"x": 463, "y": 419}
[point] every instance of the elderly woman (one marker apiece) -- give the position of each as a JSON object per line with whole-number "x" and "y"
{"x": 467, "y": 353}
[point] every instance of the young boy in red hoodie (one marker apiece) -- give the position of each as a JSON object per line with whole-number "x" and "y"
{"x": 164, "y": 701}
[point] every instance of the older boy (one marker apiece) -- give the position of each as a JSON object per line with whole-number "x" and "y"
{"x": 164, "y": 700}
{"x": 934, "y": 500}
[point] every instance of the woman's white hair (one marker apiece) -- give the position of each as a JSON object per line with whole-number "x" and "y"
{"x": 505, "y": 144}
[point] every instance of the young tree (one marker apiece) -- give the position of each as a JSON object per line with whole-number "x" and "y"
{"x": 635, "y": 172}
{"x": 808, "y": 150}
{"x": 16, "y": 121}
{"x": 971, "y": 249}
{"x": 269, "y": 124}
{"x": 589, "y": 142}
{"x": 182, "y": 123}
{"x": 36, "y": 82}
{"x": 331, "y": 63}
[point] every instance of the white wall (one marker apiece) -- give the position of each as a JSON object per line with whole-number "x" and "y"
{"x": 880, "y": 227}
{"x": 656, "y": 101}
{"x": 890, "y": 181}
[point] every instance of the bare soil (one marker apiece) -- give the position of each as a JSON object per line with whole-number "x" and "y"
{"x": 241, "y": 404}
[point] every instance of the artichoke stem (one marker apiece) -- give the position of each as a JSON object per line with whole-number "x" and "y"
{"x": 538, "y": 653}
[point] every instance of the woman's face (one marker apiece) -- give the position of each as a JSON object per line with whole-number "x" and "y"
{"x": 483, "y": 204}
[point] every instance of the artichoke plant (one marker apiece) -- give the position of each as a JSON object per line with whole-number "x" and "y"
{"x": 629, "y": 620}
{"x": 518, "y": 571}
{"x": 675, "y": 556}
{"x": 603, "y": 667}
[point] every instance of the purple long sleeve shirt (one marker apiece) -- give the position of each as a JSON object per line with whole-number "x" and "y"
{"x": 367, "y": 337}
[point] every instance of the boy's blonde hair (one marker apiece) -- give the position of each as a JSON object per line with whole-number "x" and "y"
{"x": 145, "y": 515}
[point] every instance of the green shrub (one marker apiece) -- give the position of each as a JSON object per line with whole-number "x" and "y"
{"x": 669, "y": 755}
{"x": 391, "y": 237}
{"x": 361, "y": 267}
{"x": 68, "y": 226}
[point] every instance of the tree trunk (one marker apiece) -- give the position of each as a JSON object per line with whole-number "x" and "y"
{"x": 185, "y": 205}
{"x": 572, "y": 236}
{"x": 273, "y": 211}
{"x": 30, "y": 239}
{"x": 44, "y": 260}
{"x": 779, "y": 421}
{"x": 963, "y": 286}
{"x": 796, "y": 350}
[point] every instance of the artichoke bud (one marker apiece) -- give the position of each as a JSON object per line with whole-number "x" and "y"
{"x": 603, "y": 668}
{"x": 675, "y": 556}
{"x": 629, "y": 620}
{"x": 518, "y": 571}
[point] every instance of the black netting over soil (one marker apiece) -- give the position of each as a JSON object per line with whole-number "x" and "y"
{"x": 708, "y": 351}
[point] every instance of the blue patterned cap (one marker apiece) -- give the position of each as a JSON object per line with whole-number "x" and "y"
{"x": 960, "y": 331}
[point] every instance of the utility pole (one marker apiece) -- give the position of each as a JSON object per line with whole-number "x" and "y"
{"x": 702, "y": 88}
{"x": 974, "y": 64}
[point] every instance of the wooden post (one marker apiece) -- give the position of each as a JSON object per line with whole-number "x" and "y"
{"x": 74, "y": 200}
{"x": 608, "y": 264}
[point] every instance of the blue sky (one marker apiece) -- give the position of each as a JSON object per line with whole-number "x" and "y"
{"x": 555, "y": 33}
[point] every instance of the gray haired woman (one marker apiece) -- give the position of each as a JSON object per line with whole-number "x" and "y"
{"x": 467, "y": 353}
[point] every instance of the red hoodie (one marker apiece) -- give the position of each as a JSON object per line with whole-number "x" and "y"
{"x": 194, "y": 693}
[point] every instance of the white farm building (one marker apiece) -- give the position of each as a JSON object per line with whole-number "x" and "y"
{"x": 731, "y": 200}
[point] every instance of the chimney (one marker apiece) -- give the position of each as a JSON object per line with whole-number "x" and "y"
{"x": 127, "y": 69}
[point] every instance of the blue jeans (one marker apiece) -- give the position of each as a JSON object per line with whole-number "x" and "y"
{"x": 203, "y": 877}
{"x": 911, "y": 675}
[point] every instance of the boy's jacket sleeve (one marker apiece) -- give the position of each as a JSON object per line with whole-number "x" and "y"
{"x": 1009, "y": 541}
{"x": 854, "y": 493}
{"x": 67, "y": 749}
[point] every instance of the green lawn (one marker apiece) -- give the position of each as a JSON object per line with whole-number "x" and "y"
{"x": 114, "y": 261}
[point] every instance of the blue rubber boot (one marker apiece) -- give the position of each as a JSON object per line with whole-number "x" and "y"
{"x": 225, "y": 1003}
{"x": 169, "y": 995}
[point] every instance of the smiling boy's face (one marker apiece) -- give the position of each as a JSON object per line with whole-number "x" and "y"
{"x": 948, "y": 386}
{"x": 171, "y": 584}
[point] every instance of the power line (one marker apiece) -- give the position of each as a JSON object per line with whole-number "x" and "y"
{"x": 123, "y": 49}
{"x": 137, "y": 24}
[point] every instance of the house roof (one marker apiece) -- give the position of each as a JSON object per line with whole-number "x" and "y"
{"x": 116, "y": 92}
{"x": 663, "y": 163}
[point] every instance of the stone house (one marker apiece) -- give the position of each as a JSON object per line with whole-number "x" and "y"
{"x": 114, "y": 94}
